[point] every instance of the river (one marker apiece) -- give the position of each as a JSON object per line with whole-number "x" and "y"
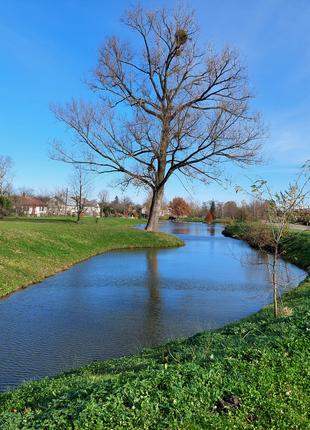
{"x": 122, "y": 301}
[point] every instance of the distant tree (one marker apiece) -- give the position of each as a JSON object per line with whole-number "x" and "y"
{"x": 58, "y": 204}
{"x": 116, "y": 200}
{"x": 179, "y": 207}
{"x": 44, "y": 196}
{"x": 26, "y": 191}
{"x": 243, "y": 212}
{"x": 187, "y": 108}
{"x": 5, "y": 175}
{"x": 303, "y": 216}
{"x": 80, "y": 189}
{"x": 5, "y": 205}
{"x": 147, "y": 202}
{"x": 126, "y": 205}
{"x": 212, "y": 209}
{"x": 115, "y": 205}
{"x": 103, "y": 200}
{"x": 195, "y": 209}
{"x": 209, "y": 217}
{"x": 219, "y": 210}
{"x": 230, "y": 209}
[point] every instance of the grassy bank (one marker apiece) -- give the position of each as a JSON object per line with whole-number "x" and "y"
{"x": 295, "y": 244}
{"x": 253, "y": 374}
{"x": 32, "y": 249}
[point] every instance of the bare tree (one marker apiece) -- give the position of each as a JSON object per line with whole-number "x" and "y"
{"x": 80, "y": 189}
{"x": 103, "y": 200}
{"x": 58, "y": 204}
{"x": 126, "y": 205}
{"x": 167, "y": 106}
{"x": 5, "y": 175}
{"x": 282, "y": 209}
{"x": 230, "y": 209}
{"x": 25, "y": 191}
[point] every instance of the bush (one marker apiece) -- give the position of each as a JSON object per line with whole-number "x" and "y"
{"x": 259, "y": 235}
{"x": 5, "y": 206}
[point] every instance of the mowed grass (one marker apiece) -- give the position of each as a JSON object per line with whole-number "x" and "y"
{"x": 262, "y": 361}
{"x": 32, "y": 249}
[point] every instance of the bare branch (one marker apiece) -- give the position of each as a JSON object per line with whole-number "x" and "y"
{"x": 167, "y": 105}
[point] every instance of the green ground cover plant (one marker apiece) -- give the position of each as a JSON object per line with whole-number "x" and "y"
{"x": 253, "y": 374}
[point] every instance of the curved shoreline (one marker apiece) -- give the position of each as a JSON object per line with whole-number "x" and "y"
{"x": 124, "y": 236}
{"x": 261, "y": 361}
{"x": 238, "y": 231}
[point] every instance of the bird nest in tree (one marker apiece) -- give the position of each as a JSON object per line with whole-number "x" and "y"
{"x": 181, "y": 37}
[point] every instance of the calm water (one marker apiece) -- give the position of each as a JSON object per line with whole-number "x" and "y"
{"x": 120, "y": 302}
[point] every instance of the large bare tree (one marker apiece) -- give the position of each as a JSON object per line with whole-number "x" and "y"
{"x": 167, "y": 105}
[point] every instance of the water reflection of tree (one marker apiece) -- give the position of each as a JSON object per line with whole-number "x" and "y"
{"x": 153, "y": 309}
{"x": 211, "y": 229}
{"x": 181, "y": 229}
{"x": 153, "y": 277}
{"x": 260, "y": 263}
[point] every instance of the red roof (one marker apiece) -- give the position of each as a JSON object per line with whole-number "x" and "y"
{"x": 29, "y": 201}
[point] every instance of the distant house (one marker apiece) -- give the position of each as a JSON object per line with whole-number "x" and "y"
{"x": 144, "y": 212}
{"x": 91, "y": 208}
{"x": 57, "y": 206}
{"x": 163, "y": 212}
{"x": 30, "y": 206}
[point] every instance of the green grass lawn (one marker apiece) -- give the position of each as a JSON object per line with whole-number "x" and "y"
{"x": 32, "y": 249}
{"x": 184, "y": 384}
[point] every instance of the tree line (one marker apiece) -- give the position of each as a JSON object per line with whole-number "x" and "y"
{"x": 76, "y": 198}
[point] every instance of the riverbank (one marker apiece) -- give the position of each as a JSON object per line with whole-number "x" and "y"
{"x": 201, "y": 219}
{"x": 295, "y": 244}
{"x": 33, "y": 249}
{"x": 249, "y": 375}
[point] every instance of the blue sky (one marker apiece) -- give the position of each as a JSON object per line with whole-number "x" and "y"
{"x": 48, "y": 47}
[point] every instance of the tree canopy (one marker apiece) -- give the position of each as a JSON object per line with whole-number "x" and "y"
{"x": 166, "y": 105}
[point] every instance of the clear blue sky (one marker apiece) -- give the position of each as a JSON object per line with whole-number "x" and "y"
{"x": 48, "y": 46}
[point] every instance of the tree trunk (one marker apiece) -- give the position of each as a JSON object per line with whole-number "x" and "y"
{"x": 79, "y": 211}
{"x": 274, "y": 284}
{"x": 152, "y": 223}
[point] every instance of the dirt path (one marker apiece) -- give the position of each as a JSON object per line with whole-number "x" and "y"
{"x": 299, "y": 227}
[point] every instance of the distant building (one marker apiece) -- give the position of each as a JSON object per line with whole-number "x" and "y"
{"x": 30, "y": 206}
{"x": 57, "y": 206}
{"x": 91, "y": 208}
{"x": 163, "y": 212}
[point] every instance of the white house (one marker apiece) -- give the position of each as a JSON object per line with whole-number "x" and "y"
{"x": 30, "y": 206}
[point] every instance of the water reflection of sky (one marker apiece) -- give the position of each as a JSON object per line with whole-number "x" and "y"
{"x": 119, "y": 302}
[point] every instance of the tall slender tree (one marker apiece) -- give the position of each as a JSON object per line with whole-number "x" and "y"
{"x": 168, "y": 105}
{"x": 283, "y": 208}
{"x": 5, "y": 175}
{"x": 80, "y": 189}
{"x": 212, "y": 208}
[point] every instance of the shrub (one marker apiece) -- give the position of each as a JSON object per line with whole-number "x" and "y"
{"x": 5, "y": 206}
